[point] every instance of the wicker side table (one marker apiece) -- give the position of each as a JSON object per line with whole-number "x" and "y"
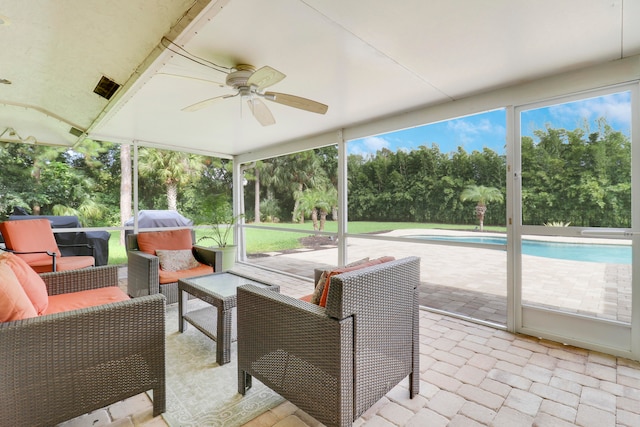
{"x": 216, "y": 322}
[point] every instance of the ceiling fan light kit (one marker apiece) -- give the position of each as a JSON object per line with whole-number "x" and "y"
{"x": 250, "y": 83}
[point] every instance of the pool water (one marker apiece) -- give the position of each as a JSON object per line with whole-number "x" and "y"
{"x": 610, "y": 254}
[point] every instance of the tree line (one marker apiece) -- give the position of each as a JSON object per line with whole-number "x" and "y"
{"x": 580, "y": 177}
{"x": 575, "y": 176}
{"x": 89, "y": 182}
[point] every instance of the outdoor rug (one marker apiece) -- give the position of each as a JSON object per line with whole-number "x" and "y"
{"x": 199, "y": 391}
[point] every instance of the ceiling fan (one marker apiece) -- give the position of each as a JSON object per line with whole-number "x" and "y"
{"x": 250, "y": 83}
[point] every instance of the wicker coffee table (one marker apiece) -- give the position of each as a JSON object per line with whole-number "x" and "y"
{"x": 216, "y": 321}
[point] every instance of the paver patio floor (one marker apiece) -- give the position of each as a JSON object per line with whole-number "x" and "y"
{"x": 471, "y": 374}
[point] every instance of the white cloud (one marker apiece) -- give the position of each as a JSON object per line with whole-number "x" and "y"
{"x": 375, "y": 143}
{"x": 368, "y": 146}
{"x": 616, "y": 108}
{"x": 468, "y": 131}
{"x": 471, "y": 133}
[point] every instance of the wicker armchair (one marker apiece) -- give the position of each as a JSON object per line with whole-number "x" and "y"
{"x": 59, "y": 366}
{"x": 144, "y": 269}
{"x": 334, "y": 362}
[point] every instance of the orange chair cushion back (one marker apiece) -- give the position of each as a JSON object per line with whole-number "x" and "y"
{"x": 150, "y": 241}
{"x": 14, "y": 302}
{"x": 31, "y": 281}
{"x": 30, "y": 235}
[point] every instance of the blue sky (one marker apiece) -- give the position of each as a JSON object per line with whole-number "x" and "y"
{"x": 489, "y": 129}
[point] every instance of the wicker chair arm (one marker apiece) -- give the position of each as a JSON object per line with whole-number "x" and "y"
{"x": 354, "y": 292}
{"x": 53, "y": 254}
{"x": 63, "y": 282}
{"x": 59, "y": 366}
{"x": 208, "y": 256}
{"x": 143, "y": 274}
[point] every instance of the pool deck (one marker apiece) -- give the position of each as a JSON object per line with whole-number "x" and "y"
{"x": 472, "y": 282}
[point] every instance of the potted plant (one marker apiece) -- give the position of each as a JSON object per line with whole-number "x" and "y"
{"x": 223, "y": 223}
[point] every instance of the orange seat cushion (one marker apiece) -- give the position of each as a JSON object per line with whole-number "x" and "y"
{"x": 63, "y": 263}
{"x": 14, "y": 302}
{"x": 31, "y": 282}
{"x": 325, "y": 292}
{"x": 173, "y": 276}
{"x": 151, "y": 241}
{"x": 83, "y": 299}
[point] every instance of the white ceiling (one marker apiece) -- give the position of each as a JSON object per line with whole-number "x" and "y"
{"x": 364, "y": 59}
{"x": 54, "y": 53}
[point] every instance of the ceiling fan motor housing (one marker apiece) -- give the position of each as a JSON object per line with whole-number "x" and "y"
{"x": 239, "y": 77}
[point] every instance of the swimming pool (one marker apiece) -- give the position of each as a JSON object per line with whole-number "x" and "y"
{"x": 610, "y": 254}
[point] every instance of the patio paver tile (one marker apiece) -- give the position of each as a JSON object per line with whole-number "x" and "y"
{"x": 469, "y": 376}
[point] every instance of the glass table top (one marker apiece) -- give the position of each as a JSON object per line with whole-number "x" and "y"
{"x": 223, "y": 284}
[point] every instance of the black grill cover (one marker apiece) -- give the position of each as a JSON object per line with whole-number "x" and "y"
{"x": 158, "y": 218}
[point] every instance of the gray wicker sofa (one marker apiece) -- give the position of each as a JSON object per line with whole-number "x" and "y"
{"x": 59, "y": 366}
{"x": 335, "y": 362}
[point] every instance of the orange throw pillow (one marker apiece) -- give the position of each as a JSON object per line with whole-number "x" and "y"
{"x": 325, "y": 292}
{"x": 319, "y": 289}
{"x": 31, "y": 281}
{"x": 14, "y": 302}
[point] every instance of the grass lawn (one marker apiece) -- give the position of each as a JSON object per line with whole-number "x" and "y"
{"x": 259, "y": 241}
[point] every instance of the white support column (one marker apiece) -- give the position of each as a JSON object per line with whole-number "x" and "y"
{"x": 238, "y": 208}
{"x": 135, "y": 186}
{"x": 635, "y": 222}
{"x": 513, "y": 218}
{"x": 342, "y": 199}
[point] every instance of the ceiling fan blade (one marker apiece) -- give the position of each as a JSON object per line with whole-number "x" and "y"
{"x": 203, "y": 104}
{"x": 265, "y": 77}
{"x": 297, "y": 102}
{"x": 261, "y": 112}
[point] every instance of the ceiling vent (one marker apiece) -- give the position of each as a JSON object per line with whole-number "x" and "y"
{"x": 106, "y": 87}
{"x": 75, "y": 132}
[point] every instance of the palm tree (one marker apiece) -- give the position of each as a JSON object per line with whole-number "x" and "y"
{"x": 259, "y": 166}
{"x": 298, "y": 171}
{"x": 172, "y": 168}
{"x": 482, "y": 195}
{"x": 254, "y": 172}
{"x": 306, "y": 204}
{"x": 327, "y": 200}
{"x": 317, "y": 202}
